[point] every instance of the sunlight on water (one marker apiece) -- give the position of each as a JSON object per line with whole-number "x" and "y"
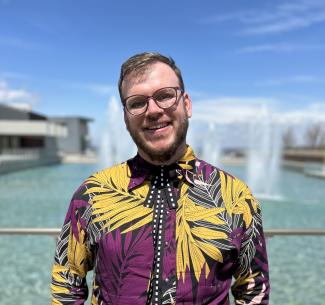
{"x": 39, "y": 198}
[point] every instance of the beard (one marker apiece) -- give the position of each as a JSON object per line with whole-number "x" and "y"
{"x": 165, "y": 154}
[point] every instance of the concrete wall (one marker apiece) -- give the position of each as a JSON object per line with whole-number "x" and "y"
{"x": 9, "y": 166}
{"x": 18, "y": 159}
{"x": 76, "y": 140}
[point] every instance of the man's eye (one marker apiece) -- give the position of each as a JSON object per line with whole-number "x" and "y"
{"x": 164, "y": 96}
{"x": 136, "y": 104}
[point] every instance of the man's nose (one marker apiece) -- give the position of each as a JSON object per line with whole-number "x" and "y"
{"x": 153, "y": 107}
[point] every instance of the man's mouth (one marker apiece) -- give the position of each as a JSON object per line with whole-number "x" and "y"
{"x": 157, "y": 126}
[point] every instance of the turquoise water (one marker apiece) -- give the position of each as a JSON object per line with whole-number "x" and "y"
{"x": 39, "y": 198}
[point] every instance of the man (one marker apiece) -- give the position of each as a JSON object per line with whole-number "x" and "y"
{"x": 163, "y": 227}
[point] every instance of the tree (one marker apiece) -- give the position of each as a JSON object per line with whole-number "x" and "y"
{"x": 289, "y": 138}
{"x": 315, "y": 135}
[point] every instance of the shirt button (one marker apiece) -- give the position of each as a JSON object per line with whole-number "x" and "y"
{"x": 166, "y": 279}
{"x": 166, "y": 243}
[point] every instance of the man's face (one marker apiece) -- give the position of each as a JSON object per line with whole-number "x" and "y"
{"x": 160, "y": 134}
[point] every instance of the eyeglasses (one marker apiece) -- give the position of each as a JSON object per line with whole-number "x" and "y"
{"x": 164, "y": 98}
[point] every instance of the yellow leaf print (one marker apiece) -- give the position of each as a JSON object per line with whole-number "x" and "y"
{"x": 77, "y": 251}
{"x": 201, "y": 213}
{"x": 198, "y": 260}
{"x": 118, "y": 172}
{"x": 113, "y": 204}
{"x": 211, "y": 250}
{"x": 94, "y": 300}
{"x": 191, "y": 240}
{"x": 245, "y": 279}
{"x": 235, "y": 194}
{"x": 139, "y": 224}
{"x": 58, "y": 278}
{"x": 207, "y": 233}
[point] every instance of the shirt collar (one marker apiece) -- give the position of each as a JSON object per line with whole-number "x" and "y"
{"x": 141, "y": 170}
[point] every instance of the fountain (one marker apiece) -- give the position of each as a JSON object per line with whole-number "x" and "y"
{"x": 264, "y": 155}
{"x": 208, "y": 133}
{"x": 116, "y": 144}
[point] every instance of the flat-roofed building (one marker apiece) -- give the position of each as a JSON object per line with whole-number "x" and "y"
{"x": 77, "y": 140}
{"x": 27, "y": 139}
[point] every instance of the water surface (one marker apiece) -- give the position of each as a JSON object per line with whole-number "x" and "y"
{"x": 39, "y": 198}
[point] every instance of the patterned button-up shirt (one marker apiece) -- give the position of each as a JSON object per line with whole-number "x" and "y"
{"x": 162, "y": 235}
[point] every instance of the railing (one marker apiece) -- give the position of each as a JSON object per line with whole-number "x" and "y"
{"x": 294, "y": 232}
{"x": 30, "y": 231}
{"x": 21, "y": 154}
{"x": 56, "y": 231}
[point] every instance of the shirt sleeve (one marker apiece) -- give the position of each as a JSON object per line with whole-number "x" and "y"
{"x": 251, "y": 284}
{"x": 72, "y": 257}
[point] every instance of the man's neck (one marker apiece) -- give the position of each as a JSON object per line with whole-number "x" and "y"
{"x": 177, "y": 156}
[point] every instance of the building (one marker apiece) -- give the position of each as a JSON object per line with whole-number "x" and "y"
{"x": 29, "y": 139}
{"x": 77, "y": 141}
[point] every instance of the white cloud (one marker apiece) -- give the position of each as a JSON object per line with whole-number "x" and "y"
{"x": 101, "y": 89}
{"x": 9, "y": 95}
{"x": 232, "y": 110}
{"x": 96, "y": 88}
{"x": 296, "y": 79}
{"x": 283, "y": 17}
{"x": 232, "y": 121}
{"x": 287, "y": 23}
{"x": 312, "y": 113}
{"x": 280, "y": 47}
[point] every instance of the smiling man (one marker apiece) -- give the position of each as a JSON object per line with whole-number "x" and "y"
{"x": 158, "y": 125}
{"x": 163, "y": 227}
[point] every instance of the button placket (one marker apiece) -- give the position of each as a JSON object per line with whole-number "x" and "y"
{"x": 158, "y": 237}
{"x": 161, "y": 198}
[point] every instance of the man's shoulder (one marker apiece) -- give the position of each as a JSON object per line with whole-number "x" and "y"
{"x": 112, "y": 175}
{"x": 207, "y": 169}
{"x": 214, "y": 173}
{"x": 109, "y": 180}
{"x": 234, "y": 191}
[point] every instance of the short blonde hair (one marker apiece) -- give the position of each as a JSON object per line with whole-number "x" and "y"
{"x": 138, "y": 64}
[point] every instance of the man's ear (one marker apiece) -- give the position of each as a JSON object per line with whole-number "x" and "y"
{"x": 126, "y": 120}
{"x": 187, "y": 104}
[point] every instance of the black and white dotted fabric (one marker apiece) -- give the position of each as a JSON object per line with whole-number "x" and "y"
{"x": 160, "y": 196}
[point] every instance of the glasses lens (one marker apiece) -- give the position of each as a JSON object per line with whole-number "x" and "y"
{"x": 136, "y": 104}
{"x": 165, "y": 97}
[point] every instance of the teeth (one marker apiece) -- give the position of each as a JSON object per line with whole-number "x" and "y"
{"x": 157, "y": 127}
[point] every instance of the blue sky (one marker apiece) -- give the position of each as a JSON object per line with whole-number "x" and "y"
{"x": 64, "y": 56}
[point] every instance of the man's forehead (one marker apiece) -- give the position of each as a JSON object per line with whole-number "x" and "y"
{"x": 156, "y": 70}
{"x": 140, "y": 75}
{"x": 136, "y": 77}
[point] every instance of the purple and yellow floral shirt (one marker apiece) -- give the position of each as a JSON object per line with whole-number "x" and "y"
{"x": 162, "y": 235}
